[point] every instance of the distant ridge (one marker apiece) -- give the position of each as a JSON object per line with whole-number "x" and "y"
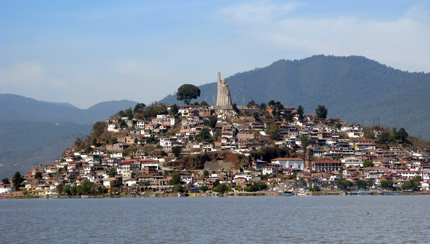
{"x": 353, "y": 88}
{"x": 34, "y": 132}
{"x": 16, "y": 107}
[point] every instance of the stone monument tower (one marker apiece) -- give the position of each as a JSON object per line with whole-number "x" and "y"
{"x": 223, "y": 96}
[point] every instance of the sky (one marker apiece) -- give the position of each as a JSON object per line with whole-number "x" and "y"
{"x": 86, "y": 52}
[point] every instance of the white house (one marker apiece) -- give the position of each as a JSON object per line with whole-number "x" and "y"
{"x": 352, "y": 162}
{"x": 410, "y": 174}
{"x": 140, "y": 124}
{"x": 130, "y": 182}
{"x": 188, "y": 179}
{"x": 248, "y": 177}
{"x": 113, "y": 128}
{"x": 294, "y": 163}
{"x": 270, "y": 170}
{"x": 4, "y": 188}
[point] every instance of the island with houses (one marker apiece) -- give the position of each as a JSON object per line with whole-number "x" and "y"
{"x": 229, "y": 150}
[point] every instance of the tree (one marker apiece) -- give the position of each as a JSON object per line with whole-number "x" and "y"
{"x": 178, "y": 188}
{"x": 343, "y": 183}
{"x": 67, "y": 190}
{"x": 206, "y": 173}
{"x": 289, "y": 117}
{"x": 60, "y": 188}
{"x": 129, "y": 114}
{"x": 415, "y": 182}
{"x": 271, "y": 103}
{"x": 384, "y": 137}
{"x": 174, "y": 109}
{"x": 234, "y": 106}
{"x": 300, "y": 112}
{"x": 395, "y": 135}
{"x": 123, "y": 124}
{"x": 387, "y": 184}
{"x": 187, "y": 92}
{"x": 216, "y": 182}
{"x": 304, "y": 141}
{"x": 263, "y": 106}
{"x": 273, "y": 131}
{"x": 176, "y": 179}
{"x": 212, "y": 121}
{"x": 222, "y": 188}
{"x": 279, "y": 106}
{"x": 99, "y": 128}
{"x": 86, "y": 187}
{"x": 17, "y": 180}
{"x": 407, "y": 185}
{"x": 118, "y": 115}
{"x": 176, "y": 151}
{"x": 403, "y": 134}
{"x": 5, "y": 180}
{"x": 361, "y": 184}
{"x": 205, "y": 134}
{"x": 251, "y": 103}
{"x": 204, "y": 188}
{"x": 100, "y": 189}
{"x": 321, "y": 112}
{"x": 256, "y": 116}
{"x": 74, "y": 190}
{"x": 367, "y": 164}
{"x": 38, "y": 175}
{"x": 139, "y": 108}
{"x": 112, "y": 172}
{"x": 370, "y": 182}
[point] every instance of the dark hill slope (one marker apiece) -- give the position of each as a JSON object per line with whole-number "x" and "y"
{"x": 19, "y": 108}
{"x": 352, "y": 88}
{"x": 35, "y": 132}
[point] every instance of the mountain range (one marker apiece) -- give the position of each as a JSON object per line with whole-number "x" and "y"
{"x": 35, "y": 132}
{"x": 352, "y": 88}
{"x": 19, "y": 108}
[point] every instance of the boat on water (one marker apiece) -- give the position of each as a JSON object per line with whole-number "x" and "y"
{"x": 303, "y": 192}
{"x": 286, "y": 194}
{"x": 358, "y": 193}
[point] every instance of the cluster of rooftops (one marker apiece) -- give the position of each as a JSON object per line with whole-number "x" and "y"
{"x": 336, "y": 150}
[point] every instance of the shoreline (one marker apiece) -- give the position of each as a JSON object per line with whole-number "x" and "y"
{"x": 241, "y": 194}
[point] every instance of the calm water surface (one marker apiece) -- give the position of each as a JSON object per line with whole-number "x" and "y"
{"x": 331, "y": 219}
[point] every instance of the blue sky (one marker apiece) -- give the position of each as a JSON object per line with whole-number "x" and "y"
{"x": 85, "y": 52}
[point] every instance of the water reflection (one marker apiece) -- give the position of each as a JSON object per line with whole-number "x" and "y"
{"x": 355, "y": 219}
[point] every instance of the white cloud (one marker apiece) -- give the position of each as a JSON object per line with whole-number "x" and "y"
{"x": 419, "y": 11}
{"x": 400, "y": 43}
{"x": 259, "y": 12}
{"x": 34, "y": 80}
{"x": 134, "y": 68}
{"x": 30, "y": 74}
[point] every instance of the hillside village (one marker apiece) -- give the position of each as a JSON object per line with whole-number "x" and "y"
{"x": 200, "y": 148}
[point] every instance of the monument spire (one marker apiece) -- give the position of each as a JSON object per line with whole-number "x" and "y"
{"x": 223, "y": 96}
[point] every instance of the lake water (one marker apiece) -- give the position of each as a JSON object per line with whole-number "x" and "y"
{"x": 329, "y": 219}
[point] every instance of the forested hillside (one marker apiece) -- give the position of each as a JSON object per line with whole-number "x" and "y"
{"x": 353, "y": 88}
{"x": 34, "y": 132}
{"x": 19, "y": 108}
